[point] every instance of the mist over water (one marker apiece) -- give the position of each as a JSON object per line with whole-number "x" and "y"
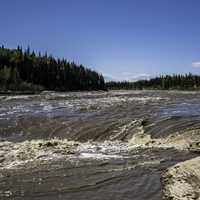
{"x": 93, "y": 145}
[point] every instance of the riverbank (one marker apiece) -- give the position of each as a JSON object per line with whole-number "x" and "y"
{"x": 30, "y": 92}
{"x": 19, "y": 92}
{"x": 182, "y": 181}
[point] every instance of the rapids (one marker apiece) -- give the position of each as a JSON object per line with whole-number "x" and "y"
{"x": 94, "y": 145}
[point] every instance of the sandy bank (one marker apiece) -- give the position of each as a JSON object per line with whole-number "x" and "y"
{"x": 182, "y": 181}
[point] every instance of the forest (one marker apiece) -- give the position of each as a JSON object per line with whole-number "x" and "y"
{"x": 165, "y": 82}
{"x": 25, "y": 70}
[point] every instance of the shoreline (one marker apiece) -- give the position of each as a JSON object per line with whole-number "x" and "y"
{"x": 39, "y": 92}
{"x": 182, "y": 181}
{"x": 19, "y": 92}
{"x": 29, "y": 92}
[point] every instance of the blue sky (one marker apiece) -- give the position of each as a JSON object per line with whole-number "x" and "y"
{"x": 123, "y": 39}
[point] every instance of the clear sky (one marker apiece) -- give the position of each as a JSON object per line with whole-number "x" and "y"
{"x": 122, "y": 39}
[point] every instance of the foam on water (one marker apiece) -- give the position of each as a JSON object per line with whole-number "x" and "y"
{"x": 99, "y": 156}
{"x": 14, "y": 154}
{"x": 17, "y": 97}
{"x": 113, "y": 143}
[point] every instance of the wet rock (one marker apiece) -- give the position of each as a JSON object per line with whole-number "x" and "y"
{"x": 194, "y": 147}
{"x": 48, "y": 144}
{"x": 144, "y": 122}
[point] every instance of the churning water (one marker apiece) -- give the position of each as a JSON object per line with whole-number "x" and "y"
{"x": 93, "y": 145}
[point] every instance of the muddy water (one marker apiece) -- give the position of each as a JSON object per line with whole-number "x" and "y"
{"x": 95, "y": 154}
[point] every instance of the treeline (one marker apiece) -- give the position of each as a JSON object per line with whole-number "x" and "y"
{"x": 25, "y": 70}
{"x": 179, "y": 82}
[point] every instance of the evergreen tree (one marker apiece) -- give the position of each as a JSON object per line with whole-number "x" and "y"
{"x": 183, "y": 82}
{"x": 17, "y": 66}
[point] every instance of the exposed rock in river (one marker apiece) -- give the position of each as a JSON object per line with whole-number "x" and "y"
{"x": 182, "y": 181}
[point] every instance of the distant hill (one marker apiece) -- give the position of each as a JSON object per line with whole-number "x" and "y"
{"x": 128, "y": 77}
{"x": 167, "y": 82}
{"x": 108, "y": 78}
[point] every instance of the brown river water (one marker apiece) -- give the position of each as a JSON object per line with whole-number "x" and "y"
{"x": 83, "y": 145}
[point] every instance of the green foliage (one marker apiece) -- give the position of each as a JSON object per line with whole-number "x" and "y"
{"x": 5, "y": 73}
{"x": 180, "y": 82}
{"x": 17, "y": 66}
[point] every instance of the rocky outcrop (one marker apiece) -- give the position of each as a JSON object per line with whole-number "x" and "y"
{"x": 182, "y": 181}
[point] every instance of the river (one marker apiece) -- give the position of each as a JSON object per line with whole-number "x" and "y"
{"x": 93, "y": 145}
